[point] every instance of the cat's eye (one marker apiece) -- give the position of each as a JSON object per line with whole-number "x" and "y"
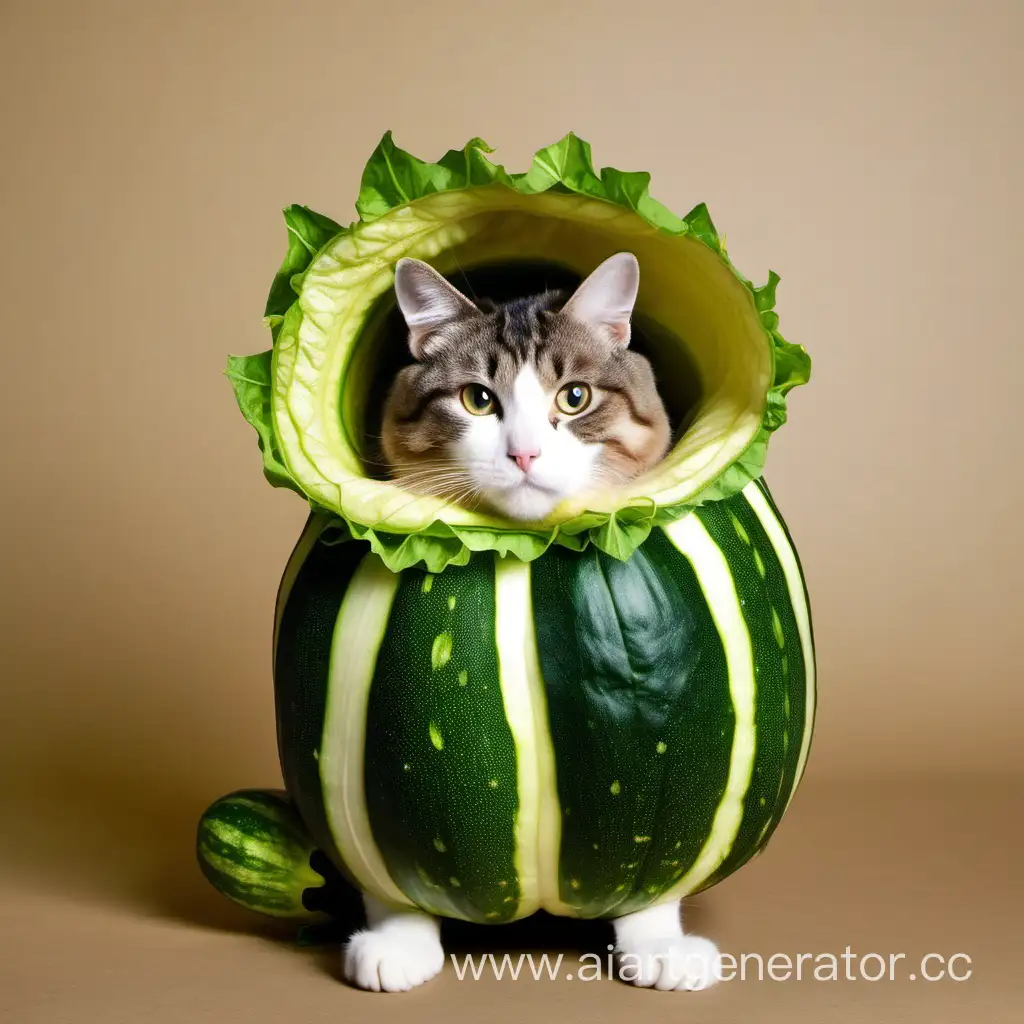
{"x": 573, "y": 398}
{"x": 478, "y": 400}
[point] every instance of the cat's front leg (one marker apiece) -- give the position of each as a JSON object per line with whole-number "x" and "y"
{"x": 398, "y": 950}
{"x": 653, "y": 951}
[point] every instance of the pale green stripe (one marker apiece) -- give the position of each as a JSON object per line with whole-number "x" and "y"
{"x": 261, "y": 848}
{"x": 228, "y": 866}
{"x": 798, "y": 598}
{"x": 313, "y": 528}
{"x": 539, "y": 819}
{"x": 712, "y": 570}
{"x": 358, "y": 633}
{"x": 262, "y": 884}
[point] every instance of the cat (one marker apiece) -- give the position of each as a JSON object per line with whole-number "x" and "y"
{"x": 519, "y": 405}
{"x": 522, "y": 404}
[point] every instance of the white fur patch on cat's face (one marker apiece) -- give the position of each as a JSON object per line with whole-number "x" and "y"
{"x": 563, "y": 465}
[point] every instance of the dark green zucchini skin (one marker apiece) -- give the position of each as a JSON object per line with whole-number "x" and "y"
{"x": 637, "y": 689}
{"x": 577, "y": 734}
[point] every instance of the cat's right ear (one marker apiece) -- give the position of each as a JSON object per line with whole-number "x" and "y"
{"x": 428, "y": 302}
{"x": 605, "y": 299}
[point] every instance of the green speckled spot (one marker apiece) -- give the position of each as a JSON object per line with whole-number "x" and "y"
{"x": 740, "y": 530}
{"x": 661, "y": 747}
{"x": 439, "y": 845}
{"x": 780, "y": 637}
{"x": 759, "y": 563}
{"x": 641, "y": 839}
{"x": 493, "y": 783}
{"x": 406, "y": 767}
{"x": 435, "y": 736}
{"x": 762, "y": 801}
{"x": 463, "y": 677}
{"x": 441, "y": 651}
{"x": 615, "y": 788}
{"x": 451, "y": 603}
{"x": 455, "y": 882}
{"x": 316, "y": 755}
{"x": 574, "y": 882}
{"x": 428, "y": 582}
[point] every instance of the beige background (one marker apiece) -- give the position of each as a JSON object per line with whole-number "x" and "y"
{"x": 870, "y": 153}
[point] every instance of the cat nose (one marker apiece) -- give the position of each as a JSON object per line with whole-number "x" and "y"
{"x": 523, "y": 457}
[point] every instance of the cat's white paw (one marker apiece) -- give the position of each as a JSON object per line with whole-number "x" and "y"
{"x": 392, "y": 962}
{"x": 686, "y": 962}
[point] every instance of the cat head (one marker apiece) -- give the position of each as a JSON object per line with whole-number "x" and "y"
{"x": 519, "y": 405}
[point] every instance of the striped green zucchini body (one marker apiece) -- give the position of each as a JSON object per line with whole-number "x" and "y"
{"x": 253, "y": 847}
{"x": 579, "y": 734}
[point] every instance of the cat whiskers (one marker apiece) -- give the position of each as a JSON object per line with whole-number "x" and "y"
{"x": 458, "y": 492}
{"x": 453, "y": 486}
{"x": 415, "y": 464}
{"x": 469, "y": 285}
{"x": 603, "y": 473}
{"x": 427, "y": 477}
{"x": 469, "y": 498}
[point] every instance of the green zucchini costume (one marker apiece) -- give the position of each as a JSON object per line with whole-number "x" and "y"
{"x": 480, "y": 718}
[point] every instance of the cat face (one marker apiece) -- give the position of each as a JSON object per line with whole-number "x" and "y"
{"x": 522, "y": 405}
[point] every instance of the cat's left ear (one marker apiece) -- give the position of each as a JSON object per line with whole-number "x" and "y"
{"x": 427, "y": 301}
{"x": 605, "y": 299}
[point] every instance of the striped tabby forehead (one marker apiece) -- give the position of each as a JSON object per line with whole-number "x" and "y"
{"x": 492, "y": 349}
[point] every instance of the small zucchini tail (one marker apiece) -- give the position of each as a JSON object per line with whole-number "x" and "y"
{"x": 253, "y": 847}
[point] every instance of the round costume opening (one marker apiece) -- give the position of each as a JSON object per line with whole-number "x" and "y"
{"x": 721, "y": 366}
{"x": 707, "y": 324}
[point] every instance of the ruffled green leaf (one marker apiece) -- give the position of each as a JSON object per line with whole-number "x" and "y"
{"x": 792, "y": 364}
{"x": 630, "y": 188}
{"x": 703, "y": 227}
{"x": 393, "y": 177}
{"x": 308, "y": 233}
{"x": 250, "y": 377}
{"x": 764, "y": 297}
{"x": 567, "y": 164}
{"x": 620, "y": 538}
{"x": 399, "y": 551}
{"x": 469, "y": 166}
